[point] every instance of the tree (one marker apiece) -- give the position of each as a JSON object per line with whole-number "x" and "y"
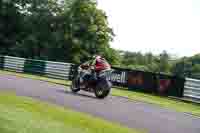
{"x": 113, "y": 56}
{"x": 178, "y": 68}
{"x": 149, "y": 58}
{"x": 38, "y": 27}
{"x": 10, "y": 24}
{"x": 164, "y": 65}
{"x": 187, "y": 67}
{"x": 26, "y": 26}
{"x": 64, "y": 30}
{"x": 88, "y": 31}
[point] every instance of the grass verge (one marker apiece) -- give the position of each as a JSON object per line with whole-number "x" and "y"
{"x": 165, "y": 102}
{"x": 161, "y": 101}
{"x": 25, "y": 115}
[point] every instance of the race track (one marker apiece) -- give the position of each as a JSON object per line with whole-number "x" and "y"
{"x": 142, "y": 116}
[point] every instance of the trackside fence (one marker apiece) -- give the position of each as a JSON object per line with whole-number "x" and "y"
{"x": 147, "y": 82}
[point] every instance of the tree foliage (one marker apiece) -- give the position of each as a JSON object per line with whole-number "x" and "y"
{"x": 188, "y": 67}
{"x": 69, "y": 30}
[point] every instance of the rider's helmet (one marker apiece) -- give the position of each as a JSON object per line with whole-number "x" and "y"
{"x": 98, "y": 58}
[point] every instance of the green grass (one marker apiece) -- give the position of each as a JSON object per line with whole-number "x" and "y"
{"x": 25, "y": 115}
{"x": 161, "y": 101}
{"x": 165, "y": 102}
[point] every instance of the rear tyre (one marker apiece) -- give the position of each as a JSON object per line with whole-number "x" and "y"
{"x": 100, "y": 93}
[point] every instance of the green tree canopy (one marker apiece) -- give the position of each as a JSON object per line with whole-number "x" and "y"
{"x": 67, "y": 30}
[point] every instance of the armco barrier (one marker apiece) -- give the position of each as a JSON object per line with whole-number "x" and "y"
{"x": 13, "y": 64}
{"x": 50, "y": 69}
{"x": 192, "y": 89}
{"x": 61, "y": 70}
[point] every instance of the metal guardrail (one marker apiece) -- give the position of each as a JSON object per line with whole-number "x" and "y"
{"x": 192, "y": 89}
{"x": 50, "y": 69}
{"x": 58, "y": 70}
{"x": 14, "y": 64}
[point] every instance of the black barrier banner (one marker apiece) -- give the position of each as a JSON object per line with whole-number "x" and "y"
{"x": 141, "y": 81}
{"x": 1, "y": 62}
{"x": 161, "y": 84}
{"x": 170, "y": 85}
{"x": 118, "y": 77}
{"x": 164, "y": 84}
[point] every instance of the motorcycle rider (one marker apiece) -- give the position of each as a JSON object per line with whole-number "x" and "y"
{"x": 93, "y": 68}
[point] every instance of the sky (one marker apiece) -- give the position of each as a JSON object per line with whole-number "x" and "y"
{"x": 155, "y": 25}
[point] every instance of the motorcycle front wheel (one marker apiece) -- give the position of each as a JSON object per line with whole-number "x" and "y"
{"x": 74, "y": 86}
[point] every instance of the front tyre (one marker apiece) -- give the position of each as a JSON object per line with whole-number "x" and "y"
{"x": 74, "y": 87}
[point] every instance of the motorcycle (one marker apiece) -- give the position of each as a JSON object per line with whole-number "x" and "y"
{"x": 99, "y": 85}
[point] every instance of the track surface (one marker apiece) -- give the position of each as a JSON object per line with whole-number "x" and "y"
{"x": 142, "y": 116}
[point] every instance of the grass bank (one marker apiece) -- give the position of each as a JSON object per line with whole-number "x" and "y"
{"x": 25, "y": 115}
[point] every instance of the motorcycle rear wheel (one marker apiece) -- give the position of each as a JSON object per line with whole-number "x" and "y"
{"x": 100, "y": 93}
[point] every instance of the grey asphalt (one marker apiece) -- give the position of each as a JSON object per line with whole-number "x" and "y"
{"x": 137, "y": 115}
